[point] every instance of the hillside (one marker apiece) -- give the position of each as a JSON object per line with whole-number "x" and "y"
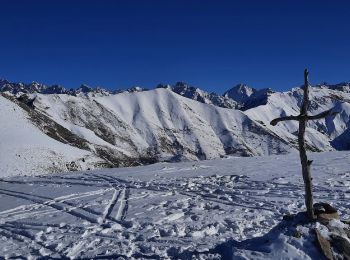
{"x": 160, "y": 124}
{"x": 26, "y": 150}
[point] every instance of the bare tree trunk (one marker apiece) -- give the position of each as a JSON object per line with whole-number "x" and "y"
{"x": 305, "y": 164}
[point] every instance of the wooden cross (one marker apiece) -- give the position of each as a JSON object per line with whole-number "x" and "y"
{"x": 303, "y": 117}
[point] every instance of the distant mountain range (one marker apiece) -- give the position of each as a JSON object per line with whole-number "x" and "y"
{"x": 169, "y": 123}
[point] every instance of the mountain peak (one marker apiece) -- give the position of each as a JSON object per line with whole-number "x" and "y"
{"x": 202, "y": 96}
{"x": 136, "y": 89}
{"x": 166, "y": 86}
{"x": 181, "y": 84}
{"x": 54, "y": 89}
{"x": 84, "y": 89}
{"x": 343, "y": 86}
{"x": 240, "y": 93}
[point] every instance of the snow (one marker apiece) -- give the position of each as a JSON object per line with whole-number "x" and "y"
{"x": 26, "y": 150}
{"x": 337, "y": 224}
{"x": 230, "y": 207}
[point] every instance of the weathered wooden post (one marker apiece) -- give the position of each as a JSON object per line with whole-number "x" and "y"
{"x": 303, "y": 117}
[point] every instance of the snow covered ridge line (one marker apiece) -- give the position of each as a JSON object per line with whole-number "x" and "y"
{"x": 180, "y": 88}
{"x": 202, "y": 96}
{"x": 34, "y": 87}
{"x": 240, "y": 96}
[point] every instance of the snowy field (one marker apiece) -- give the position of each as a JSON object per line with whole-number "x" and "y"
{"x": 219, "y": 209}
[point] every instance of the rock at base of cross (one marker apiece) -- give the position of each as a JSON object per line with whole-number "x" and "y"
{"x": 325, "y": 212}
{"x": 324, "y": 245}
{"x": 337, "y": 240}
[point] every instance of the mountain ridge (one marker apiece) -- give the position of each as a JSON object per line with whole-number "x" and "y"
{"x": 176, "y": 123}
{"x": 240, "y": 96}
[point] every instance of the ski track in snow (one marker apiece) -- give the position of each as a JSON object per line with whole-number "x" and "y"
{"x": 181, "y": 210}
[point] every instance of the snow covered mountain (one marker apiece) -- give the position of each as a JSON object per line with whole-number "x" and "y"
{"x": 171, "y": 123}
{"x": 202, "y": 96}
{"x": 240, "y": 93}
{"x": 142, "y": 127}
{"x": 159, "y": 125}
{"x": 34, "y": 87}
{"x": 327, "y": 134}
{"x": 247, "y": 97}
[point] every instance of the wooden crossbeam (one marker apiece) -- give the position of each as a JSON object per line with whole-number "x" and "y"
{"x": 324, "y": 114}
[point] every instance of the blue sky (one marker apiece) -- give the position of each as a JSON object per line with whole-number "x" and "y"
{"x": 210, "y": 44}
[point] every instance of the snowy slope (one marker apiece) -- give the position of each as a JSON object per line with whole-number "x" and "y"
{"x": 228, "y": 208}
{"x": 26, "y": 150}
{"x": 160, "y": 124}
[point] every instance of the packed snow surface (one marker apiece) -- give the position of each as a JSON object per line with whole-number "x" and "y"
{"x": 229, "y": 208}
